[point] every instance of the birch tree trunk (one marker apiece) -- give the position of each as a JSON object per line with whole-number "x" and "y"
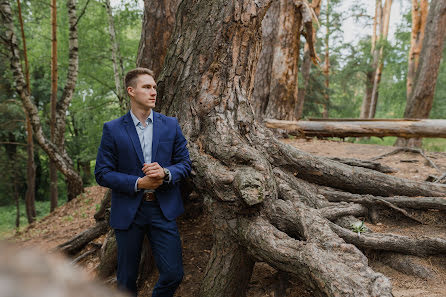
{"x": 30, "y": 167}
{"x": 52, "y": 165}
{"x": 419, "y": 104}
{"x": 118, "y": 68}
{"x": 55, "y": 150}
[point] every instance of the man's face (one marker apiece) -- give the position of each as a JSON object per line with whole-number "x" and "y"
{"x": 144, "y": 93}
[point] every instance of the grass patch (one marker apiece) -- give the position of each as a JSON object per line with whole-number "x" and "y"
{"x": 429, "y": 144}
{"x": 8, "y": 216}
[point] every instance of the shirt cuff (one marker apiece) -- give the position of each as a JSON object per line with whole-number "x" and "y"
{"x": 136, "y": 185}
{"x": 169, "y": 177}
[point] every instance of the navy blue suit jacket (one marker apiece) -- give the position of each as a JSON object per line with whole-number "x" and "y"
{"x": 120, "y": 160}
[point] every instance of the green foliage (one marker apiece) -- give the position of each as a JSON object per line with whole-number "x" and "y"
{"x": 94, "y": 101}
{"x": 8, "y": 216}
{"x": 359, "y": 227}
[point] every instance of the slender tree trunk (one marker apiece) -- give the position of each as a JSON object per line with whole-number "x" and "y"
{"x": 55, "y": 151}
{"x": 52, "y": 165}
{"x": 419, "y": 16}
{"x": 11, "y": 152}
{"x": 157, "y": 28}
{"x": 118, "y": 68}
{"x": 370, "y": 74}
{"x": 327, "y": 64}
{"x": 31, "y": 168}
{"x": 378, "y": 71}
{"x": 305, "y": 69}
{"x": 419, "y": 104}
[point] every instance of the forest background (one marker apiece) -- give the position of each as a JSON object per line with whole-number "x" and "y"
{"x": 95, "y": 99}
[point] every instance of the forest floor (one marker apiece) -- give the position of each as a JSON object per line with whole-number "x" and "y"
{"x": 77, "y": 215}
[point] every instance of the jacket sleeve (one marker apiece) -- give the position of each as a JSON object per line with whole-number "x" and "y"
{"x": 107, "y": 163}
{"x": 180, "y": 157}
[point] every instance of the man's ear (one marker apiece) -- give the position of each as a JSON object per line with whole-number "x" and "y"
{"x": 130, "y": 91}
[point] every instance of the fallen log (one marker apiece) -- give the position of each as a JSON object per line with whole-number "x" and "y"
{"x": 406, "y": 128}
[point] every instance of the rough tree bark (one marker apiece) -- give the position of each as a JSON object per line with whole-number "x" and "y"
{"x": 419, "y": 104}
{"x": 251, "y": 182}
{"x": 55, "y": 150}
{"x": 276, "y": 80}
{"x": 118, "y": 68}
{"x": 52, "y": 164}
{"x": 419, "y": 17}
{"x": 157, "y": 27}
{"x": 30, "y": 204}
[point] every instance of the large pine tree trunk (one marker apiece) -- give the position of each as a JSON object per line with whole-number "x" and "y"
{"x": 157, "y": 27}
{"x": 419, "y": 104}
{"x": 264, "y": 196}
{"x": 276, "y": 80}
{"x": 247, "y": 177}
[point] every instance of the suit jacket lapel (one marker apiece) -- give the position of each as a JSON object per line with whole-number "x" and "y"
{"x": 131, "y": 130}
{"x": 157, "y": 124}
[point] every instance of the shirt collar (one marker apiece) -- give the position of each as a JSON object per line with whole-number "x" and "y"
{"x": 136, "y": 121}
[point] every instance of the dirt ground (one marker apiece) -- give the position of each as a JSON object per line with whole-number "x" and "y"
{"x": 77, "y": 215}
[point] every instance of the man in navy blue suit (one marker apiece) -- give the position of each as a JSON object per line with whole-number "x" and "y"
{"x": 142, "y": 158}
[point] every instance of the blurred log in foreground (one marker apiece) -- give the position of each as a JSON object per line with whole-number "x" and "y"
{"x": 407, "y": 128}
{"x": 30, "y": 273}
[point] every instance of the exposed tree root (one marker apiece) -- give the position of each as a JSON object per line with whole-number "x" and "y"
{"x": 328, "y": 274}
{"x": 352, "y": 179}
{"x": 86, "y": 254}
{"x": 101, "y": 214}
{"x": 365, "y": 164}
{"x": 78, "y": 242}
{"x": 406, "y": 264}
{"x": 423, "y": 203}
{"x": 372, "y": 202}
{"x": 341, "y": 210}
{"x": 421, "y": 246}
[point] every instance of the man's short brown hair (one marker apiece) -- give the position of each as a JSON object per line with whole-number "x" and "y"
{"x": 132, "y": 75}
